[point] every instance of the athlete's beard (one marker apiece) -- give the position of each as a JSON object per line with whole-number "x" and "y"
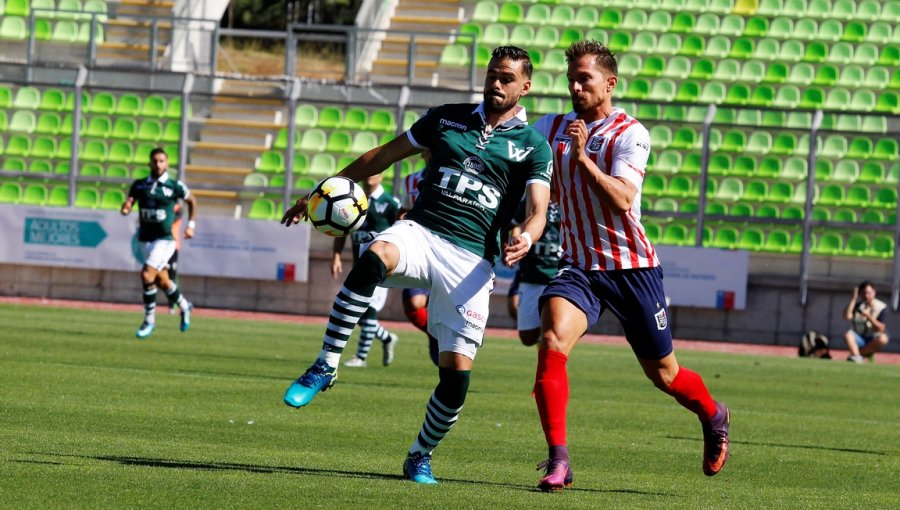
{"x": 498, "y": 104}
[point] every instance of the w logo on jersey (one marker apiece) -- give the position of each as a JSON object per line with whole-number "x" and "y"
{"x": 380, "y": 208}
{"x": 517, "y": 153}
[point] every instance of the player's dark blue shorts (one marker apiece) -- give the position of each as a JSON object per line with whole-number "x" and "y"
{"x": 635, "y": 296}
{"x": 409, "y": 293}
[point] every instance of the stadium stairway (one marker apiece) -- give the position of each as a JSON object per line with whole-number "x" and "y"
{"x": 438, "y": 16}
{"x": 238, "y": 129}
{"x": 128, "y": 40}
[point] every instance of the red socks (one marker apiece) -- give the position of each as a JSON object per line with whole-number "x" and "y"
{"x": 419, "y": 319}
{"x": 551, "y": 392}
{"x": 689, "y": 390}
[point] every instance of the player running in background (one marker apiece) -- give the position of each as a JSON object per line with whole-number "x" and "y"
{"x": 535, "y": 272}
{"x": 484, "y": 158}
{"x": 156, "y": 197}
{"x": 415, "y": 301}
{"x": 600, "y": 155}
{"x": 384, "y": 209}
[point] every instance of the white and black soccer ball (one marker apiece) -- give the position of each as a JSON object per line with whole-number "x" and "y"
{"x": 337, "y": 206}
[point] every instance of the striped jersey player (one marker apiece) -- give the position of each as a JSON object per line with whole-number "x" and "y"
{"x": 600, "y": 157}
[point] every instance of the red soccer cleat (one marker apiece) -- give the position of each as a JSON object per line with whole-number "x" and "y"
{"x": 715, "y": 440}
{"x": 558, "y": 475}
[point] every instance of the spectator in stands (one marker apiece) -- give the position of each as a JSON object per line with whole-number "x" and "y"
{"x": 868, "y": 333}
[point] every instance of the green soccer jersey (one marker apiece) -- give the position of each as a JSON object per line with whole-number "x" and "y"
{"x": 156, "y": 205}
{"x": 384, "y": 209}
{"x": 542, "y": 261}
{"x": 476, "y": 175}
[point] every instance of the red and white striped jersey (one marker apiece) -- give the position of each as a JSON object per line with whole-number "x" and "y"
{"x": 411, "y": 189}
{"x": 593, "y": 236}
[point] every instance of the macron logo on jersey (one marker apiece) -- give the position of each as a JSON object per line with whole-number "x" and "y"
{"x": 517, "y": 153}
{"x": 455, "y": 125}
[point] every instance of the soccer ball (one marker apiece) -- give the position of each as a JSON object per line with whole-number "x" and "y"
{"x": 337, "y": 206}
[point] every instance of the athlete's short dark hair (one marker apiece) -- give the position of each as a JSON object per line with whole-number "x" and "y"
{"x": 158, "y": 150}
{"x": 514, "y": 53}
{"x": 603, "y": 57}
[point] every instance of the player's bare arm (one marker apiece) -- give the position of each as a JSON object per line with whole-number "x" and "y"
{"x": 617, "y": 192}
{"x": 537, "y": 199}
{"x": 126, "y": 206}
{"x": 337, "y": 266}
{"x": 372, "y": 162}
{"x": 192, "y": 213}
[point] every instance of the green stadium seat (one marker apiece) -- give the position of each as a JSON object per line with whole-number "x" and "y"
{"x": 124, "y": 128}
{"x": 13, "y": 28}
{"x": 117, "y": 171}
{"x": 890, "y": 55}
{"x": 845, "y": 171}
{"x": 770, "y": 8}
{"x": 271, "y": 162}
{"x": 872, "y": 172}
{"x": 363, "y": 141}
{"x": 676, "y": 234}
{"x": 331, "y": 117}
{"x": 654, "y": 185}
{"x": 43, "y": 147}
{"x": 777, "y": 241}
{"x": 882, "y": 246}
{"x": 64, "y": 149}
{"x": 10, "y": 192}
{"x": 23, "y": 121}
{"x": 859, "y": 195}
{"x": 262, "y": 209}
{"x": 844, "y": 215}
{"x": 774, "y": 118}
{"x": 888, "y": 102}
{"x": 769, "y": 167}
{"x": 538, "y": 14}
{"x": 880, "y": 32}
{"x": 35, "y": 194}
{"x": 314, "y": 140}
{"x": 755, "y": 190}
{"x": 634, "y": 19}
{"x": 564, "y": 36}
{"x": 751, "y": 239}
{"x": 123, "y": 152}
{"x": 729, "y": 189}
{"x": 149, "y": 130}
{"x": 487, "y": 11}
{"x": 524, "y": 36}
{"x": 510, "y": 12}
{"x": 111, "y": 199}
{"x": 94, "y": 150}
{"x": 732, "y": 25}
{"x": 706, "y": 23}
{"x": 322, "y": 165}
{"x": 281, "y": 139}
{"x": 860, "y": 148}
{"x": 885, "y": 198}
{"x": 854, "y": 31}
{"x": 18, "y": 145}
{"x": 885, "y": 149}
{"x": 588, "y": 17}
{"x": 495, "y": 34}
{"x": 87, "y": 198}
{"x": 692, "y": 45}
{"x": 712, "y": 92}
{"x": 65, "y": 31}
{"x": 98, "y": 126}
{"x": 453, "y": 55}
{"x": 725, "y": 237}
{"x": 40, "y": 166}
{"x": 173, "y": 110}
{"x": 619, "y": 42}
{"x": 172, "y": 132}
{"x": 27, "y": 98}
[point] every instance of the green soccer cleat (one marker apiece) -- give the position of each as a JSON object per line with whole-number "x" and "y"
{"x": 318, "y": 377}
{"x": 145, "y": 329}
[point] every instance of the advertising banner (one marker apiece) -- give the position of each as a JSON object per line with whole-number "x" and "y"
{"x": 91, "y": 239}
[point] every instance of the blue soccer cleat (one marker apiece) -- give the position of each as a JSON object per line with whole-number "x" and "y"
{"x": 145, "y": 329}
{"x": 418, "y": 468}
{"x": 318, "y": 377}
{"x": 186, "y": 316}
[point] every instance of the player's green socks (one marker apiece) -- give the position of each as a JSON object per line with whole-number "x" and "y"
{"x": 443, "y": 409}
{"x": 350, "y": 304}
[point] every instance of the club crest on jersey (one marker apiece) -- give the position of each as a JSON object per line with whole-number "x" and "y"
{"x": 380, "y": 208}
{"x": 517, "y": 153}
{"x": 661, "y": 319}
{"x": 595, "y": 144}
{"x": 473, "y": 165}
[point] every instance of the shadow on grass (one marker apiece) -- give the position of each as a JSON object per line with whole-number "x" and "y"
{"x": 260, "y": 469}
{"x": 799, "y": 446}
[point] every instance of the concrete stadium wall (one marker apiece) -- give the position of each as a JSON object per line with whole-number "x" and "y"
{"x": 773, "y": 315}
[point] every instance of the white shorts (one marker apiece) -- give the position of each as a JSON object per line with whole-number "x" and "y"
{"x": 529, "y": 316}
{"x": 460, "y": 284}
{"x": 379, "y": 298}
{"x": 157, "y": 253}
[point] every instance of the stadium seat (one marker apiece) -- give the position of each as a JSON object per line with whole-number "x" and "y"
{"x": 150, "y": 130}
{"x": 511, "y": 13}
{"x": 829, "y": 243}
{"x": 313, "y": 140}
{"x": 778, "y": 241}
{"x": 882, "y": 246}
{"x": 322, "y": 165}
{"x": 117, "y": 171}
{"x": 124, "y": 128}
{"x": 751, "y": 239}
{"x": 271, "y": 162}
{"x": 524, "y": 36}
{"x": 35, "y": 194}
{"x": 725, "y": 237}
{"x": 13, "y": 28}
{"x": 262, "y": 209}
{"x": 18, "y": 145}
{"x": 363, "y": 141}
{"x": 338, "y": 141}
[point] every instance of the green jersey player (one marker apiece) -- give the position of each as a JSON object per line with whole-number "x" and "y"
{"x": 384, "y": 210}
{"x": 484, "y": 157}
{"x": 157, "y": 197}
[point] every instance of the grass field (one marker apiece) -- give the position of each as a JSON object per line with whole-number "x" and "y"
{"x": 92, "y": 418}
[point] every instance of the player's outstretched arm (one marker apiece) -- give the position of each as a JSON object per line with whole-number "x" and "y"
{"x": 126, "y": 206}
{"x": 537, "y": 199}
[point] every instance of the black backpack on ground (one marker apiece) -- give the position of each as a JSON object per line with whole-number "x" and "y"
{"x": 814, "y": 345}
